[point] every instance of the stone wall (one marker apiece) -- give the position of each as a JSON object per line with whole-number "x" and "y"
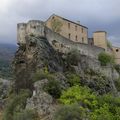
{"x": 65, "y": 45}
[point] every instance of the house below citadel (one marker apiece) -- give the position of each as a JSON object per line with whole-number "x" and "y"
{"x": 65, "y": 35}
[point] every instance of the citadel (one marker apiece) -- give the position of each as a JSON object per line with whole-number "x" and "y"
{"x": 65, "y": 35}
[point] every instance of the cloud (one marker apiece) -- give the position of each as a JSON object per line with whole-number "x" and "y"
{"x": 95, "y": 14}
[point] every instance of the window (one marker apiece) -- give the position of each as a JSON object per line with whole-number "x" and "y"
{"x": 69, "y": 25}
{"x": 117, "y": 50}
{"x": 82, "y": 30}
{"x": 76, "y": 38}
{"x": 69, "y": 35}
{"x": 82, "y": 39}
{"x": 53, "y": 17}
{"x": 76, "y": 28}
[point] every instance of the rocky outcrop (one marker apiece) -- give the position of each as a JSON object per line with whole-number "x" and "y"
{"x": 36, "y": 55}
{"x": 4, "y": 88}
{"x": 41, "y": 101}
{"x": 33, "y": 56}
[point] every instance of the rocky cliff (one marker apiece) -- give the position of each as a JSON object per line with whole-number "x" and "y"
{"x": 38, "y": 56}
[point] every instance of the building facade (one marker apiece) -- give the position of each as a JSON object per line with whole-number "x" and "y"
{"x": 71, "y": 30}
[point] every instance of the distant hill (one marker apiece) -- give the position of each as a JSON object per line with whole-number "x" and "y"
{"x": 7, "y": 52}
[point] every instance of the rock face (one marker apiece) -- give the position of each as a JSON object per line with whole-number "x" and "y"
{"x": 42, "y": 101}
{"x": 35, "y": 55}
{"x": 4, "y": 87}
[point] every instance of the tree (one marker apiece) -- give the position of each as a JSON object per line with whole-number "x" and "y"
{"x": 106, "y": 58}
{"x": 56, "y": 25}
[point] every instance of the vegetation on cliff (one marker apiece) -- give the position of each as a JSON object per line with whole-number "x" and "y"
{"x": 106, "y": 59}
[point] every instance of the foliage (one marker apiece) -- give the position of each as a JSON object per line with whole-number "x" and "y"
{"x": 25, "y": 115}
{"x": 80, "y": 95}
{"x": 102, "y": 114}
{"x": 39, "y": 75}
{"x": 117, "y": 67}
{"x": 56, "y": 25}
{"x": 53, "y": 88}
{"x": 98, "y": 107}
{"x": 70, "y": 112}
{"x": 16, "y": 103}
{"x": 73, "y": 79}
{"x": 117, "y": 84}
{"x": 73, "y": 57}
{"x": 97, "y": 81}
{"x": 105, "y": 59}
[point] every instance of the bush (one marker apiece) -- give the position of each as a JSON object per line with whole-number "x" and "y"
{"x": 117, "y": 84}
{"x": 15, "y": 103}
{"x": 106, "y": 107}
{"x": 53, "y": 88}
{"x": 71, "y": 112}
{"x": 102, "y": 114}
{"x": 105, "y": 59}
{"x": 117, "y": 67}
{"x": 25, "y": 115}
{"x": 73, "y": 57}
{"x": 39, "y": 75}
{"x": 78, "y": 94}
{"x": 73, "y": 79}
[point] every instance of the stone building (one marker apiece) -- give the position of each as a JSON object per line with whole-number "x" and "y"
{"x": 69, "y": 29}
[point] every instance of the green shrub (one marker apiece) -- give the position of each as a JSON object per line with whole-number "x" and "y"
{"x": 53, "y": 88}
{"x": 105, "y": 58}
{"x": 25, "y": 115}
{"x": 56, "y": 25}
{"x": 73, "y": 79}
{"x": 102, "y": 113}
{"x": 71, "y": 112}
{"x": 15, "y": 103}
{"x": 108, "y": 108}
{"x": 117, "y": 67}
{"x": 39, "y": 75}
{"x": 78, "y": 94}
{"x": 117, "y": 84}
{"x": 105, "y": 107}
{"x": 73, "y": 57}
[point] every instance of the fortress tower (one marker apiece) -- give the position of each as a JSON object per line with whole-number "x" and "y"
{"x": 33, "y": 27}
{"x": 100, "y": 39}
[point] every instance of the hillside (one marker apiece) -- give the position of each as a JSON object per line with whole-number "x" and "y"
{"x": 7, "y": 52}
{"x": 53, "y": 85}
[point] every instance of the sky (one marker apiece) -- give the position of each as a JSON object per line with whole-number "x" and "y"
{"x": 95, "y": 14}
